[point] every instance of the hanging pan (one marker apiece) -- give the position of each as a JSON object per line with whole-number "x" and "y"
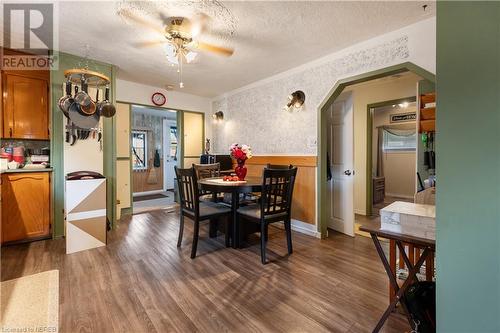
{"x": 106, "y": 109}
{"x": 65, "y": 102}
{"x": 79, "y": 119}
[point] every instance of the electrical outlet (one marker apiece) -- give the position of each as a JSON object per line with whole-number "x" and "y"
{"x": 312, "y": 142}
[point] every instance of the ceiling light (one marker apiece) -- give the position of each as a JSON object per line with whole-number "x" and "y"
{"x": 404, "y": 105}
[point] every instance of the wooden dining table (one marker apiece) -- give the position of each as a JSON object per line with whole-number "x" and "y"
{"x": 235, "y": 188}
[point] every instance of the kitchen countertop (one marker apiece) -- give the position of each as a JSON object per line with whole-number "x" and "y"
{"x": 26, "y": 170}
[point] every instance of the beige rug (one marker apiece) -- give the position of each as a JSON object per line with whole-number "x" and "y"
{"x": 31, "y": 303}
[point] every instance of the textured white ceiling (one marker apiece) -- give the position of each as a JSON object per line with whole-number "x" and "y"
{"x": 271, "y": 37}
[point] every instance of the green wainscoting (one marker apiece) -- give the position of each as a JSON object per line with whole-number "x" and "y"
{"x": 468, "y": 164}
{"x": 67, "y": 61}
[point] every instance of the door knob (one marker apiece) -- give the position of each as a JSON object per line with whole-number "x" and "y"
{"x": 347, "y": 172}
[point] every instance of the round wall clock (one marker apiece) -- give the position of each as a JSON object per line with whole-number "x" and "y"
{"x": 158, "y": 99}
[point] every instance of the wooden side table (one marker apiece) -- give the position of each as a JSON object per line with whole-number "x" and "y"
{"x": 427, "y": 246}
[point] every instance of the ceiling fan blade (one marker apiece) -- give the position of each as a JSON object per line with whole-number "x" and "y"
{"x": 212, "y": 48}
{"x": 143, "y": 45}
{"x": 140, "y": 21}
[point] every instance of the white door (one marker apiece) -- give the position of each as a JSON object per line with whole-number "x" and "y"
{"x": 341, "y": 158}
{"x": 169, "y": 162}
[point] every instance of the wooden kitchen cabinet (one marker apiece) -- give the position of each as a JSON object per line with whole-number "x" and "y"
{"x": 25, "y": 106}
{"x": 25, "y": 206}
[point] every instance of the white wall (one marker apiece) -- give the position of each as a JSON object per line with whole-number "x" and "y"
{"x": 363, "y": 95}
{"x": 132, "y": 92}
{"x": 253, "y": 114}
{"x": 84, "y": 155}
{"x": 399, "y": 166}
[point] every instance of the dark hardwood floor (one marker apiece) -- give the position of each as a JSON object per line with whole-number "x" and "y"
{"x": 142, "y": 282}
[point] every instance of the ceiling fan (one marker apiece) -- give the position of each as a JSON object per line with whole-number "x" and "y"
{"x": 181, "y": 37}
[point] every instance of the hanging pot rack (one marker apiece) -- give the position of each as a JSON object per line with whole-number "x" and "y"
{"x": 93, "y": 78}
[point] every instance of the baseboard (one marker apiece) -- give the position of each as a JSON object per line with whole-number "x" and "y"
{"x": 304, "y": 228}
{"x": 359, "y": 211}
{"x": 402, "y": 196}
{"x": 126, "y": 211}
{"x": 140, "y": 194}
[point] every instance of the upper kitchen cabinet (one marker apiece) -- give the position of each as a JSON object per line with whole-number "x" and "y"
{"x": 25, "y": 105}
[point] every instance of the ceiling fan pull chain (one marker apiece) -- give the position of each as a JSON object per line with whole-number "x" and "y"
{"x": 181, "y": 84}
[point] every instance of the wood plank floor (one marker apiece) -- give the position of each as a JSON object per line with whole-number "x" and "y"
{"x": 142, "y": 282}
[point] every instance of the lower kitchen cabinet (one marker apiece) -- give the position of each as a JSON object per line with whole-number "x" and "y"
{"x": 25, "y": 206}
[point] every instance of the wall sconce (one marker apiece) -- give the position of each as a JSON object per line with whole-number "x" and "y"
{"x": 295, "y": 100}
{"x": 218, "y": 116}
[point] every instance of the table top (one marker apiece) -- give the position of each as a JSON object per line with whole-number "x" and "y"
{"x": 252, "y": 184}
{"x": 398, "y": 236}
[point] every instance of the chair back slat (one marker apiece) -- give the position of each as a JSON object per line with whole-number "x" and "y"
{"x": 277, "y": 190}
{"x": 207, "y": 170}
{"x": 188, "y": 189}
{"x": 279, "y": 166}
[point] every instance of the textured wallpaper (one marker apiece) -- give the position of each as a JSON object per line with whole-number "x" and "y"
{"x": 256, "y": 117}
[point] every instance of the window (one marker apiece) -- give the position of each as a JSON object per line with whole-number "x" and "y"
{"x": 173, "y": 143}
{"x": 399, "y": 142}
{"x": 139, "y": 150}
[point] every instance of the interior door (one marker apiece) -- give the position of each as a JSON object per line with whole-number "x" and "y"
{"x": 193, "y": 125}
{"x": 169, "y": 145}
{"x": 341, "y": 159}
{"x": 123, "y": 174}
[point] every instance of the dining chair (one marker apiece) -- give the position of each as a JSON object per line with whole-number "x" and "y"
{"x": 207, "y": 171}
{"x": 195, "y": 210}
{"x": 275, "y": 205}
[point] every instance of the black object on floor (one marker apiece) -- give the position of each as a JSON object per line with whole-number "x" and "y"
{"x": 150, "y": 197}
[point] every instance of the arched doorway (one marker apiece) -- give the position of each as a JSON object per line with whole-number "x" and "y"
{"x": 322, "y": 204}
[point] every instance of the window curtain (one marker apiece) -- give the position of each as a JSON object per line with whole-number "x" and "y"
{"x": 399, "y": 130}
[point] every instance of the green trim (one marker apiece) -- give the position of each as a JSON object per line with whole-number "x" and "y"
{"x": 58, "y": 122}
{"x": 337, "y": 89}
{"x": 123, "y": 158}
{"x": 369, "y": 150}
{"x": 109, "y": 156}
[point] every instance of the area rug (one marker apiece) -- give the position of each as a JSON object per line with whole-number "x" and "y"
{"x": 150, "y": 197}
{"x": 31, "y": 303}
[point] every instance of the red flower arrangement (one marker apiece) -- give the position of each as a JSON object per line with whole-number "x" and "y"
{"x": 240, "y": 153}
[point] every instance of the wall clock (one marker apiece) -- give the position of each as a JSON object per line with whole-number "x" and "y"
{"x": 158, "y": 99}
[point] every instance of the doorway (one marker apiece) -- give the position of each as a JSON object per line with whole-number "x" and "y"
{"x": 362, "y": 189}
{"x": 154, "y": 151}
{"x": 393, "y": 149}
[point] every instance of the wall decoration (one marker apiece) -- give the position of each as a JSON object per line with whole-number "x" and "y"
{"x": 403, "y": 117}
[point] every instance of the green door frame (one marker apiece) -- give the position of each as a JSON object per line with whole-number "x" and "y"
{"x": 369, "y": 142}
{"x": 321, "y": 182}
{"x": 180, "y": 131}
